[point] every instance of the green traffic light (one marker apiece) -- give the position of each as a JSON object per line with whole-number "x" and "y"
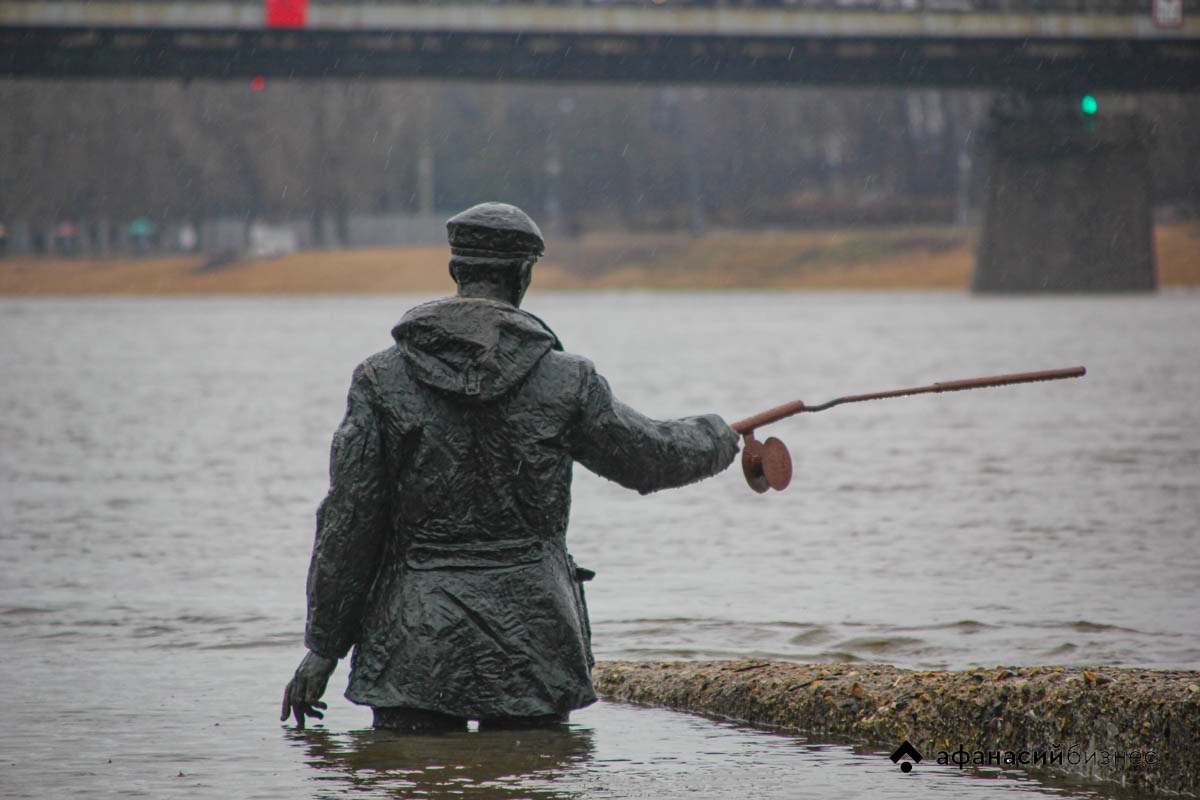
{"x": 1088, "y": 105}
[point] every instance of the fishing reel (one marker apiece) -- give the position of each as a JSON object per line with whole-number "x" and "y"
{"x": 766, "y": 465}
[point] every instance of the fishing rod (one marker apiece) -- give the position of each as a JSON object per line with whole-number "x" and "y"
{"x": 768, "y": 465}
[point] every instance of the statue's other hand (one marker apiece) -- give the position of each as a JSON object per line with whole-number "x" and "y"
{"x": 302, "y": 697}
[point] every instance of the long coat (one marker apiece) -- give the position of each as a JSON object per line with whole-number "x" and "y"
{"x": 440, "y": 552}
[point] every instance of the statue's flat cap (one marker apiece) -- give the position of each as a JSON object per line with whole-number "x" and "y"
{"x": 494, "y": 230}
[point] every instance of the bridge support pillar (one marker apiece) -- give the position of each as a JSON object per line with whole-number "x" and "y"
{"x": 1068, "y": 204}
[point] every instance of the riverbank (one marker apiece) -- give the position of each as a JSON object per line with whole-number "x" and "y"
{"x": 1137, "y": 728}
{"x": 906, "y": 258}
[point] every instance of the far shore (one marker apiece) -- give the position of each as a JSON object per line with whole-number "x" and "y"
{"x": 895, "y": 258}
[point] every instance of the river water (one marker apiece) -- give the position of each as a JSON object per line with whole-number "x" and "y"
{"x": 161, "y": 461}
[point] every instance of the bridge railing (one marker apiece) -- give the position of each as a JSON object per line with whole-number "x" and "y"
{"x": 1123, "y": 7}
{"x": 1112, "y": 7}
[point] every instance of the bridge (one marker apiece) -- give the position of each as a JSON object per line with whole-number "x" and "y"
{"x": 938, "y": 43}
{"x": 1037, "y": 234}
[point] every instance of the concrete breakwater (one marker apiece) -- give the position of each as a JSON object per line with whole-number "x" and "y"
{"x": 1137, "y": 728}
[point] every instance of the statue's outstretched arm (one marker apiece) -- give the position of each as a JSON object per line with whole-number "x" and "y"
{"x": 623, "y": 445}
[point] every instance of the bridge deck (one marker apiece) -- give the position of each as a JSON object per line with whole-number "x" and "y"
{"x": 1036, "y": 52}
{"x": 642, "y": 20}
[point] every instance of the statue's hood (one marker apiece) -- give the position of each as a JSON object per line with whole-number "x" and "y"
{"x": 474, "y": 347}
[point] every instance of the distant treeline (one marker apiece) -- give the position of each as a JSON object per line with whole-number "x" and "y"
{"x": 102, "y": 154}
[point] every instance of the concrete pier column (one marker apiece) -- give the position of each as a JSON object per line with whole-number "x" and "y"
{"x": 1068, "y": 202}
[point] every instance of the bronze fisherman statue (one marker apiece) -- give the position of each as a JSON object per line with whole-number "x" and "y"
{"x": 440, "y": 553}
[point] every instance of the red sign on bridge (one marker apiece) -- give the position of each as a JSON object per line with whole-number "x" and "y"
{"x": 286, "y": 13}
